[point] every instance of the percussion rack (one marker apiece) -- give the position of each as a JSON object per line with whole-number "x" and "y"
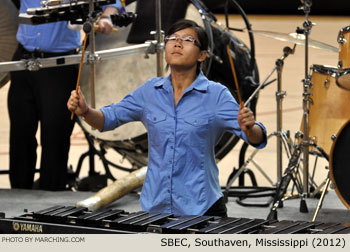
{"x": 92, "y": 58}
{"x": 149, "y": 47}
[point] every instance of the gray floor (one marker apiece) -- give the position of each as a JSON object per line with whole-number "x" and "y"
{"x": 15, "y": 202}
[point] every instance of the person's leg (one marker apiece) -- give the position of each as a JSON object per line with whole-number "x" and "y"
{"x": 55, "y": 87}
{"x": 23, "y": 127}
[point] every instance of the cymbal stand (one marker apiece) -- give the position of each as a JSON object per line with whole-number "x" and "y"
{"x": 291, "y": 173}
{"x": 282, "y": 137}
{"x": 301, "y": 151}
{"x": 307, "y": 25}
{"x": 279, "y": 98}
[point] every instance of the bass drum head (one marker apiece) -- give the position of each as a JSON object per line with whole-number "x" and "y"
{"x": 8, "y": 30}
{"x": 115, "y": 78}
{"x": 339, "y": 164}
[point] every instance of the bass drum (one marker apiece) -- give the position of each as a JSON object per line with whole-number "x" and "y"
{"x": 339, "y": 164}
{"x": 8, "y": 30}
{"x": 118, "y": 77}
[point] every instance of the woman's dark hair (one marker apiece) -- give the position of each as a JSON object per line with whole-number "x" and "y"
{"x": 185, "y": 23}
{"x": 201, "y": 34}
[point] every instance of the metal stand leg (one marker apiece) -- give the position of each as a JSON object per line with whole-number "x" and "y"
{"x": 320, "y": 202}
{"x": 94, "y": 181}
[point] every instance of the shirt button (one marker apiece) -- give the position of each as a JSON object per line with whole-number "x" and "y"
{"x": 38, "y": 33}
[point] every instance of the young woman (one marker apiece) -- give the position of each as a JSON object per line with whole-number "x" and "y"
{"x": 185, "y": 115}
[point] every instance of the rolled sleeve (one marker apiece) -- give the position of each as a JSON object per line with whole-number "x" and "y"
{"x": 263, "y": 143}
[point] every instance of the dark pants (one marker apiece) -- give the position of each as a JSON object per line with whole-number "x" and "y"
{"x": 40, "y": 96}
{"x": 217, "y": 209}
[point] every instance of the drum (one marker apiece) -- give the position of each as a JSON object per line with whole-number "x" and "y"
{"x": 8, "y": 30}
{"x": 339, "y": 164}
{"x": 343, "y": 76}
{"x": 117, "y": 77}
{"x": 329, "y": 106}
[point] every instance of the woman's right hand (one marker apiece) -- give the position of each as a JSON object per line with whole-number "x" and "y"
{"x": 77, "y": 103}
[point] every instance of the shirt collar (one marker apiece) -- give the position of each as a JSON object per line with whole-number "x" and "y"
{"x": 200, "y": 83}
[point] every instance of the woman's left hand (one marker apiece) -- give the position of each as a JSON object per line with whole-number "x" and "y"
{"x": 246, "y": 118}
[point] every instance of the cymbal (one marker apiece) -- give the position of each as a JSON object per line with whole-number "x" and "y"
{"x": 296, "y": 39}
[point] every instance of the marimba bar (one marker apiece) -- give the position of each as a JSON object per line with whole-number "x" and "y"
{"x": 79, "y": 220}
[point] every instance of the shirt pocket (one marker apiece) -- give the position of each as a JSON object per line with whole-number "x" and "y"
{"x": 156, "y": 127}
{"x": 197, "y": 130}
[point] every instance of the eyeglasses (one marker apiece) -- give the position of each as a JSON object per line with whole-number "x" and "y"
{"x": 185, "y": 40}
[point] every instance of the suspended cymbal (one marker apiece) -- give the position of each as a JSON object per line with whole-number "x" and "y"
{"x": 8, "y": 30}
{"x": 296, "y": 39}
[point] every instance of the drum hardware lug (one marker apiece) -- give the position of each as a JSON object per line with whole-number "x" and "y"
{"x": 339, "y": 73}
{"x": 33, "y": 65}
{"x": 326, "y": 83}
{"x": 334, "y": 137}
{"x": 341, "y": 40}
{"x": 340, "y": 64}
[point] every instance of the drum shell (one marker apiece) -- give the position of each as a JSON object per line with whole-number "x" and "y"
{"x": 344, "y": 47}
{"x": 329, "y": 106}
{"x": 343, "y": 76}
{"x": 339, "y": 164}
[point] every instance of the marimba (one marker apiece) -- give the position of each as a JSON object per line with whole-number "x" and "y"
{"x": 79, "y": 220}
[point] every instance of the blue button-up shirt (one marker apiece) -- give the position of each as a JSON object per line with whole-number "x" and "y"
{"x": 51, "y": 37}
{"x": 182, "y": 175}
